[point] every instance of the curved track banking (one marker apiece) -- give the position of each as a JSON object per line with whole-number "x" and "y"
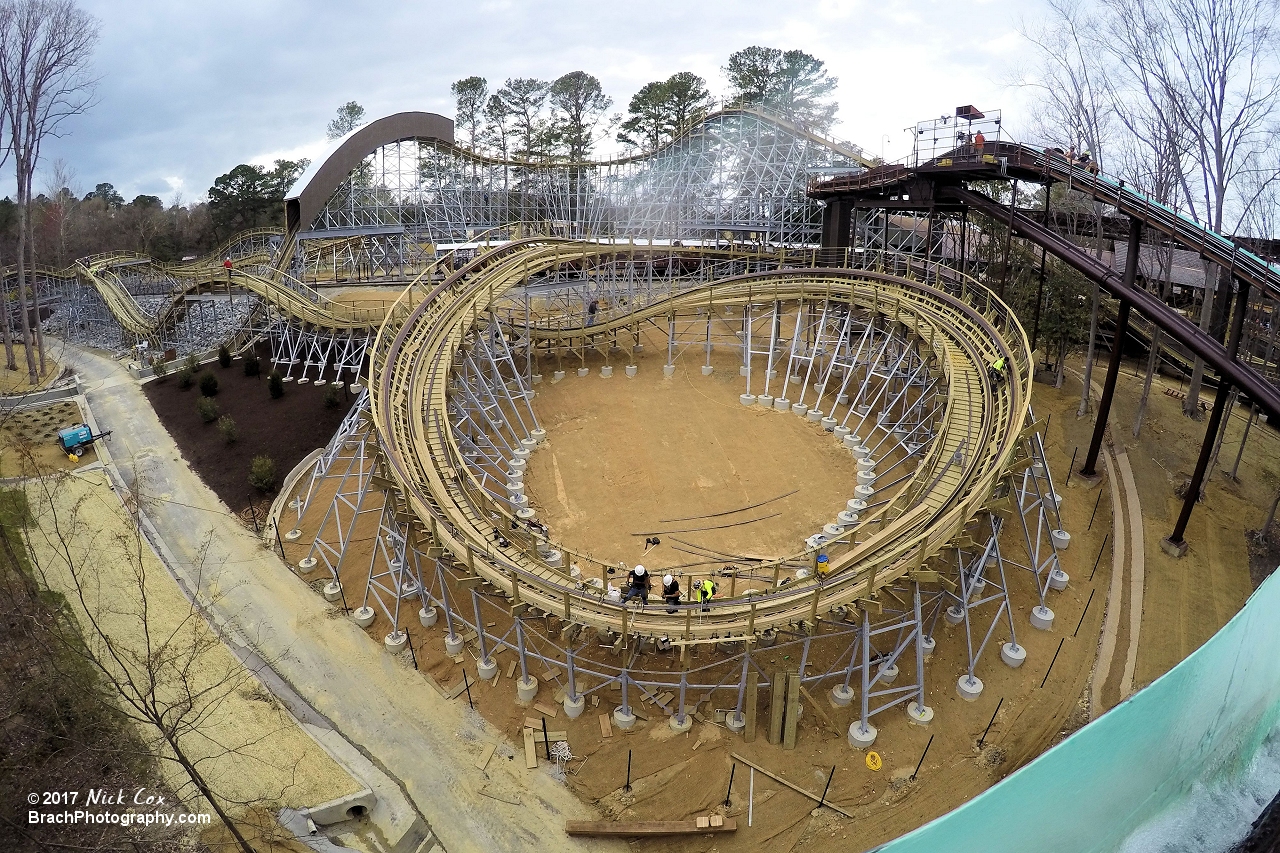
{"x": 956, "y": 475}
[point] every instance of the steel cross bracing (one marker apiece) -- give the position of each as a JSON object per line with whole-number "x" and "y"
{"x": 459, "y": 511}
{"x": 979, "y": 580}
{"x": 1037, "y": 509}
{"x": 313, "y": 352}
{"x": 736, "y": 175}
{"x": 351, "y": 432}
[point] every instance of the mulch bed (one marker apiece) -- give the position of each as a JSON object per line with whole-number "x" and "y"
{"x": 286, "y": 429}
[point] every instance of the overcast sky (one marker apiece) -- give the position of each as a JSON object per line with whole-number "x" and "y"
{"x": 188, "y": 90}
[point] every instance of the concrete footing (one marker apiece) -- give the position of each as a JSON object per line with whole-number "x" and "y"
{"x": 735, "y": 722}
{"x": 363, "y": 616}
{"x": 929, "y": 644}
{"x": 396, "y": 641}
{"x": 428, "y": 616}
{"x": 747, "y": 399}
{"x": 1013, "y": 656}
{"x": 293, "y": 535}
{"x": 954, "y": 614}
{"x": 574, "y": 706}
{"x": 799, "y": 409}
{"x": 889, "y": 674}
{"x": 969, "y": 687}
{"x": 632, "y": 370}
{"x": 1061, "y": 539}
{"x": 622, "y": 720}
{"x": 680, "y": 722}
{"x": 557, "y": 376}
{"x": 332, "y": 591}
{"x": 1042, "y": 618}
{"x": 782, "y": 404}
{"x": 1058, "y": 579}
{"x": 1174, "y": 549}
{"x": 487, "y": 669}
{"x": 842, "y": 696}
{"x": 526, "y": 688}
{"x": 860, "y": 737}
{"x": 306, "y": 564}
{"x": 606, "y": 371}
{"x": 765, "y": 400}
{"x": 453, "y": 645}
{"x": 921, "y": 715}
{"x": 584, "y": 371}
{"x": 668, "y": 369}
{"x": 707, "y": 370}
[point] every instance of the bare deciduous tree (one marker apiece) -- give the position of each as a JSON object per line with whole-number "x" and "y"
{"x": 45, "y": 46}
{"x": 1210, "y": 65}
{"x": 1073, "y": 109}
{"x": 168, "y": 678}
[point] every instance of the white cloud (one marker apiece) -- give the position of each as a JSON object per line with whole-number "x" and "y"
{"x": 190, "y": 90}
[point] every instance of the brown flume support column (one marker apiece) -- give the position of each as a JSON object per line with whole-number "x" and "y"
{"x": 1176, "y": 544}
{"x": 1089, "y": 469}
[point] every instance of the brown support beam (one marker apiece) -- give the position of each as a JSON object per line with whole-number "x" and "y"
{"x": 1176, "y": 544}
{"x": 791, "y": 717}
{"x": 777, "y": 702}
{"x": 1089, "y": 469}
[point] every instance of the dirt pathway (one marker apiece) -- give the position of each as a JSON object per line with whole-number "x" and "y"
{"x": 1122, "y": 626}
{"x": 400, "y": 722}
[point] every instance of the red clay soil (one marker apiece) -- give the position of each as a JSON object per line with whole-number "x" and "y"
{"x": 286, "y": 429}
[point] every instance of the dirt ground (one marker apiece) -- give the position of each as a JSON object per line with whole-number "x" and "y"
{"x": 629, "y": 450}
{"x": 247, "y": 745}
{"x": 286, "y": 429}
{"x": 1185, "y": 601}
{"x": 29, "y": 440}
{"x": 634, "y": 456}
{"x": 623, "y": 454}
{"x": 18, "y": 381}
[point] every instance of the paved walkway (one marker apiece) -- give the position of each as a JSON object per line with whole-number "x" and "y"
{"x": 404, "y": 727}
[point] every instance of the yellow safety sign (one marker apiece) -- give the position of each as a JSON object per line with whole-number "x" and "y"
{"x": 873, "y": 761}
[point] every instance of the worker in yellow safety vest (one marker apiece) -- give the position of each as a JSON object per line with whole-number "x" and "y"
{"x": 997, "y": 370}
{"x": 706, "y": 590}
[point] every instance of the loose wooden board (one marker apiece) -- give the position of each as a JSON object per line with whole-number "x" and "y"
{"x": 483, "y": 761}
{"x": 530, "y": 751}
{"x": 644, "y": 827}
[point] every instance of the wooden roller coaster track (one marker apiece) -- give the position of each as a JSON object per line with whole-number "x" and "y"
{"x": 447, "y": 508}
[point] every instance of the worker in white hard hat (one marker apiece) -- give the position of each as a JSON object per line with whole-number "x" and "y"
{"x": 670, "y": 592}
{"x": 637, "y": 584}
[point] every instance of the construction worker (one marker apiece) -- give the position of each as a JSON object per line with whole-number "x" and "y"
{"x": 592, "y": 308}
{"x": 670, "y": 592}
{"x": 637, "y": 584}
{"x": 706, "y": 590}
{"x": 997, "y": 370}
{"x": 979, "y": 143}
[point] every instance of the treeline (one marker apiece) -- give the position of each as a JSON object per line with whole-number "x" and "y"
{"x": 566, "y": 118}
{"x": 66, "y": 226}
